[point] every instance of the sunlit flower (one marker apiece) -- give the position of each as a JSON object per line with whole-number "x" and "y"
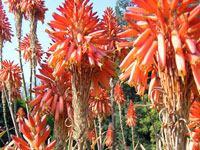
{"x": 131, "y": 115}
{"x": 100, "y": 105}
{"x": 35, "y": 133}
{"x": 119, "y": 94}
{"x": 5, "y": 27}
{"x": 108, "y": 140}
{"x": 27, "y": 52}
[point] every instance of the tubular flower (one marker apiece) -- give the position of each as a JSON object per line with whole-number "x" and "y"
{"x": 100, "y": 105}
{"x": 108, "y": 140}
{"x": 20, "y": 114}
{"x": 36, "y": 7}
{"x": 34, "y": 132}
{"x": 119, "y": 94}
{"x": 91, "y": 135}
{"x": 131, "y": 115}
{"x": 154, "y": 46}
{"x": 54, "y": 95}
{"x": 26, "y": 47}
{"x": 78, "y": 40}
{"x": 10, "y": 74}
{"x": 5, "y": 27}
{"x": 114, "y": 34}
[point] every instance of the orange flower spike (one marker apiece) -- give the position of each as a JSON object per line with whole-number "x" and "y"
{"x": 176, "y": 41}
{"x": 119, "y": 94}
{"x": 108, "y": 141}
{"x": 131, "y": 115}
{"x": 18, "y": 140}
{"x": 196, "y": 73}
{"x": 162, "y": 52}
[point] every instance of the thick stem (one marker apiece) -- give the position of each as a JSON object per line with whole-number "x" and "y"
{"x": 81, "y": 81}
{"x": 61, "y": 132}
{"x": 100, "y": 133}
{"x": 33, "y": 28}
{"x": 18, "y": 17}
{"x": 4, "y": 114}
{"x": 113, "y": 114}
{"x": 133, "y": 140}
{"x": 121, "y": 124}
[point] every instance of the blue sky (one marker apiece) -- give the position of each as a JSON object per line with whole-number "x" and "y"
{"x": 9, "y": 51}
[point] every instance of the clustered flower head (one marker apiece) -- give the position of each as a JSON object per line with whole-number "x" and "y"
{"x": 34, "y": 132}
{"x": 108, "y": 140}
{"x": 14, "y": 5}
{"x": 119, "y": 94}
{"x": 79, "y": 42}
{"x": 27, "y": 52}
{"x": 35, "y": 7}
{"x": 54, "y": 95}
{"x": 110, "y": 24}
{"x": 166, "y": 37}
{"x": 100, "y": 105}
{"x": 11, "y": 75}
{"x": 5, "y": 27}
{"x": 131, "y": 115}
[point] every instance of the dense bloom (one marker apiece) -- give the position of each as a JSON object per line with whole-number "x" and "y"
{"x": 54, "y": 95}
{"x": 5, "y": 27}
{"x": 14, "y": 5}
{"x": 34, "y": 132}
{"x": 78, "y": 42}
{"x": 131, "y": 115}
{"x": 100, "y": 105}
{"x": 11, "y": 75}
{"x": 163, "y": 34}
{"x": 119, "y": 94}
{"x": 27, "y": 52}
{"x": 110, "y": 24}
{"x": 35, "y": 7}
{"x": 108, "y": 140}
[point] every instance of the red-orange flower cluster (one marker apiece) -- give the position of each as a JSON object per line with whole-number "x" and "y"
{"x": 14, "y": 5}
{"x": 5, "y": 28}
{"x": 119, "y": 94}
{"x": 108, "y": 140}
{"x": 35, "y": 7}
{"x": 165, "y": 31}
{"x": 78, "y": 40}
{"x": 100, "y": 105}
{"x": 34, "y": 132}
{"x": 131, "y": 115}
{"x": 109, "y": 23}
{"x": 10, "y": 74}
{"x": 54, "y": 93}
{"x": 26, "y": 47}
